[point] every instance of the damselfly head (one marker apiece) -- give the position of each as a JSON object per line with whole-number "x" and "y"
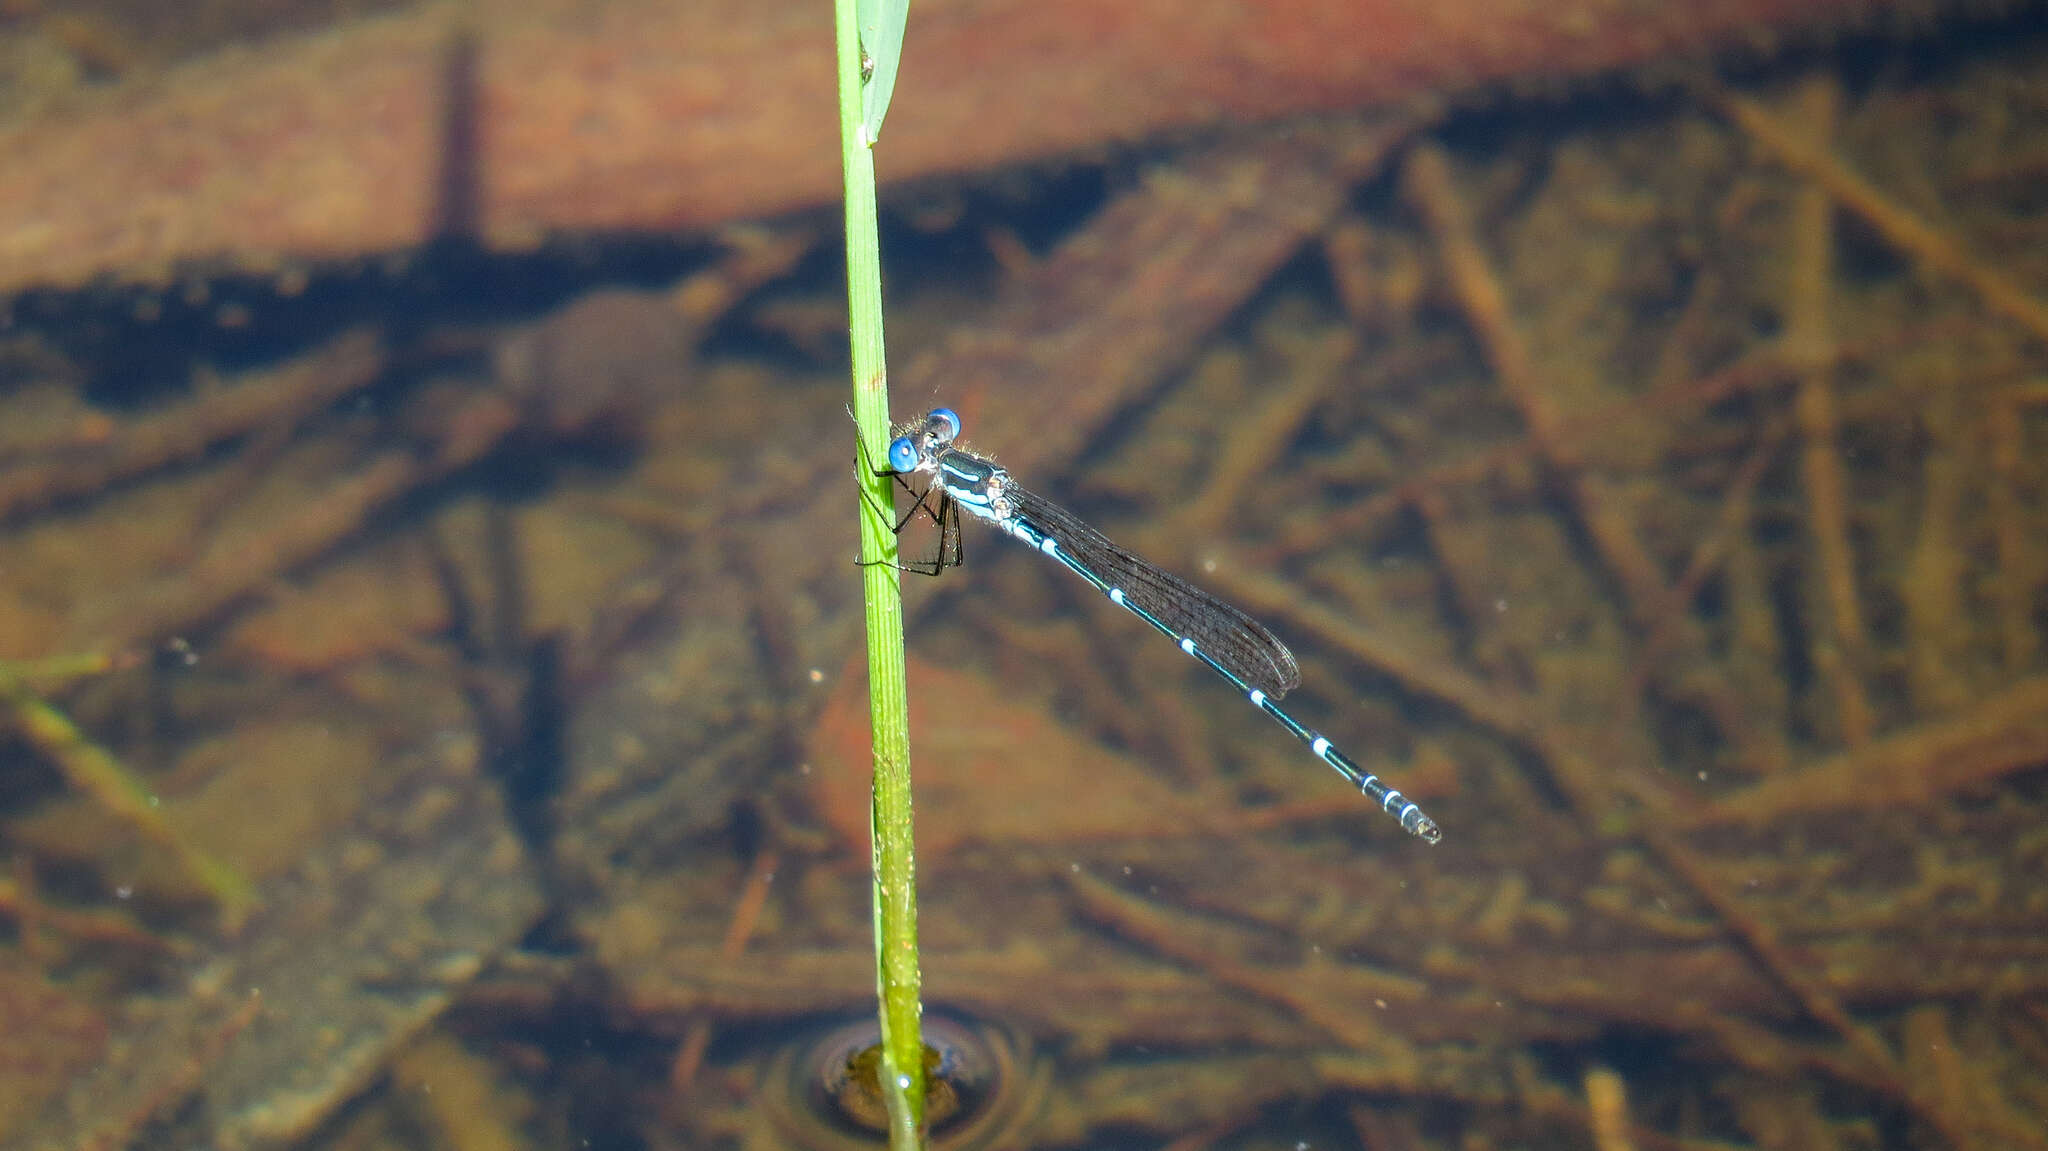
{"x": 917, "y": 448}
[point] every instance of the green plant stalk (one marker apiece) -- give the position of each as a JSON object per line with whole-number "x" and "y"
{"x": 895, "y": 871}
{"x": 93, "y": 770}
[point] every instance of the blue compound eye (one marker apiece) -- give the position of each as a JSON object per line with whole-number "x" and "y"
{"x": 902, "y": 455}
{"x": 947, "y": 417}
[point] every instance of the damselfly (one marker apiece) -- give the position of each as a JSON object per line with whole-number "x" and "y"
{"x": 1233, "y": 645}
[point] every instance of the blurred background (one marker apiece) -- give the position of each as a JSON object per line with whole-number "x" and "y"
{"x": 432, "y": 708}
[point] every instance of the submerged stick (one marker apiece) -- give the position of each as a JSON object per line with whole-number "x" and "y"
{"x": 1839, "y": 647}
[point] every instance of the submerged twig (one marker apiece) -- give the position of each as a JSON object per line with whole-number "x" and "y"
{"x": 1917, "y": 238}
{"x": 2016, "y": 537}
{"x": 746, "y": 915}
{"x": 1839, "y": 650}
{"x": 2001, "y": 734}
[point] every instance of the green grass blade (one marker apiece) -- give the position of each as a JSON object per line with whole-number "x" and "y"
{"x": 881, "y": 42}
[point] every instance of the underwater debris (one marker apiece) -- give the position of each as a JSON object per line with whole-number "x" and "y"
{"x": 94, "y": 771}
{"x": 330, "y": 146}
{"x": 47, "y": 1037}
{"x": 353, "y": 951}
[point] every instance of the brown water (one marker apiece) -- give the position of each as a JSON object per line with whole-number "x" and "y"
{"x": 435, "y": 711}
